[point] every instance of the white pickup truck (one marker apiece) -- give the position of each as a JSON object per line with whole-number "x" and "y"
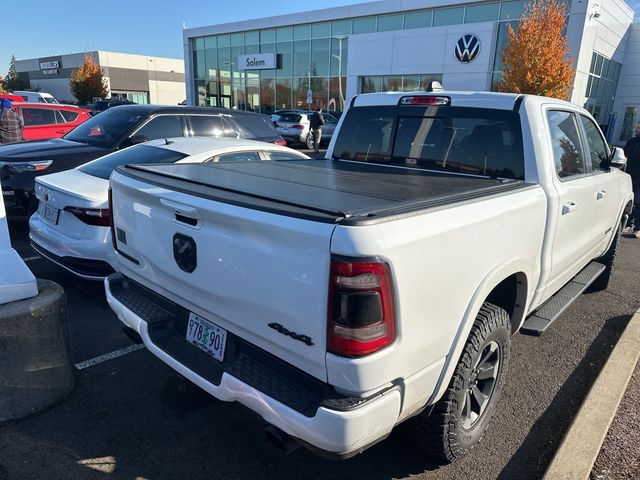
{"x": 339, "y": 297}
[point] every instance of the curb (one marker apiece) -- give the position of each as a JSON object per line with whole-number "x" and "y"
{"x": 581, "y": 444}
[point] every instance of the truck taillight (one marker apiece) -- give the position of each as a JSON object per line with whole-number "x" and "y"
{"x": 113, "y": 228}
{"x": 361, "y": 308}
{"x": 98, "y": 217}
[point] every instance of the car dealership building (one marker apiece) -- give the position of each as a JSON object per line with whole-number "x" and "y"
{"x": 324, "y": 57}
{"x": 139, "y": 78}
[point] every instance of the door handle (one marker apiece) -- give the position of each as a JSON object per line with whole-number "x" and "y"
{"x": 180, "y": 209}
{"x": 568, "y": 207}
{"x": 601, "y": 194}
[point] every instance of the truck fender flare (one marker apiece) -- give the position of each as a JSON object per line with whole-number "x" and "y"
{"x": 490, "y": 281}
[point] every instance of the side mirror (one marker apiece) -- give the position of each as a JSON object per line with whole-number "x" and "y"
{"x": 136, "y": 139}
{"x": 618, "y": 158}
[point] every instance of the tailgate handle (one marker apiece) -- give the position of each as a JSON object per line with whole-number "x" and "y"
{"x": 183, "y": 213}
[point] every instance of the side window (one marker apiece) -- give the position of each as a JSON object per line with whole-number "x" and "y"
{"x": 59, "y": 117}
{"x": 598, "y": 150}
{"x": 38, "y": 116}
{"x": 280, "y": 156}
{"x": 238, "y": 157}
{"x": 565, "y": 139}
{"x": 206, "y": 126}
{"x": 164, "y": 126}
{"x": 69, "y": 116}
{"x": 229, "y": 129}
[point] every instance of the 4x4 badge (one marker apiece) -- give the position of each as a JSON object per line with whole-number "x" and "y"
{"x": 296, "y": 336}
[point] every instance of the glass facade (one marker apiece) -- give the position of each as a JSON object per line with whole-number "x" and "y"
{"x": 628, "y": 123}
{"x": 397, "y": 83}
{"x": 601, "y": 88}
{"x": 313, "y": 57}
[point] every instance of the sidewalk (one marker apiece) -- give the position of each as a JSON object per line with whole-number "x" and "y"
{"x": 619, "y": 457}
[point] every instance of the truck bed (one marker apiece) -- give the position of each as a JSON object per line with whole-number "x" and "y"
{"x": 331, "y": 191}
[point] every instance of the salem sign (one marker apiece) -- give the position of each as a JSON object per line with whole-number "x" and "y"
{"x": 257, "y": 61}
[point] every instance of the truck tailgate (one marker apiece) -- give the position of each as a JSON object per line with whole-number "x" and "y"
{"x": 253, "y": 268}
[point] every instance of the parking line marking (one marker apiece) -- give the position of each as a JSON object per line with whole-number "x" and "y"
{"x": 108, "y": 356}
{"x": 31, "y": 259}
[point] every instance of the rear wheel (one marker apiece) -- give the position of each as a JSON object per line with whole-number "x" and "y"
{"x": 460, "y": 418}
{"x": 310, "y": 141}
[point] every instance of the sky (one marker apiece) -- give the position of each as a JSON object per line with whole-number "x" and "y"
{"x": 146, "y": 27}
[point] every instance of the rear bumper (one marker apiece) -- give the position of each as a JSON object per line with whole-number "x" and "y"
{"x": 286, "y": 397}
{"x": 88, "y": 258}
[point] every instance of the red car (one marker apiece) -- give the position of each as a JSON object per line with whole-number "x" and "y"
{"x": 13, "y": 98}
{"x": 42, "y": 120}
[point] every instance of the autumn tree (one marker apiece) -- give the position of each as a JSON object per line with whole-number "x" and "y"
{"x": 87, "y": 81}
{"x": 536, "y": 59}
{"x": 2, "y": 90}
{"x": 11, "y": 82}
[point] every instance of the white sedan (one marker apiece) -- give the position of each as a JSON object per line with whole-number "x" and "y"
{"x": 71, "y": 225}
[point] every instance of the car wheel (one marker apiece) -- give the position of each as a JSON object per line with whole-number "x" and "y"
{"x": 310, "y": 142}
{"x": 608, "y": 260}
{"x": 457, "y": 422}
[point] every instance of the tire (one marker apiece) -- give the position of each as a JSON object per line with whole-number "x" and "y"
{"x": 449, "y": 430}
{"x": 310, "y": 143}
{"x": 608, "y": 260}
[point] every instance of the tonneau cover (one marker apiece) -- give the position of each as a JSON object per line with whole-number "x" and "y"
{"x": 335, "y": 189}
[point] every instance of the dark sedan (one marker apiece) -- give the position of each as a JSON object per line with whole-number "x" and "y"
{"x": 113, "y": 129}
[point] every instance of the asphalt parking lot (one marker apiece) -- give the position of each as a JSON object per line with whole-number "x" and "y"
{"x": 127, "y": 418}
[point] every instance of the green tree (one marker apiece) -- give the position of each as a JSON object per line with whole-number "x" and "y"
{"x": 11, "y": 82}
{"x": 87, "y": 81}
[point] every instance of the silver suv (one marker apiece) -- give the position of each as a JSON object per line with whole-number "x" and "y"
{"x": 293, "y": 126}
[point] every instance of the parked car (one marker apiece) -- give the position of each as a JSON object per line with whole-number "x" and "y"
{"x": 71, "y": 226}
{"x": 102, "y": 105}
{"x": 43, "y": 120}
{"x": 36, "y": 97}
{"x": 293, "y": 126}
{"x": 338, "y": 298}
{"x": 13, "y": 98}
{"x": 111, "y": 130}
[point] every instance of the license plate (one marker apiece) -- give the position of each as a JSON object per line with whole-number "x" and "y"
{"x": 285, "y": 130}
{"x": 51, "y": 214}
{"x": 206, "y": 336}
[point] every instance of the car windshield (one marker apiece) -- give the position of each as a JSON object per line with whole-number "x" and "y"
{"x": 50, "y": 100}
{"x": 135, "y": 155}
{"x": 104, "y": 129}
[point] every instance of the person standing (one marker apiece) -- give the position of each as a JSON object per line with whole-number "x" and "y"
{"x": 632, "y": 152}
{"x": 315, "y": 125}
{"x": 11, "y": 123}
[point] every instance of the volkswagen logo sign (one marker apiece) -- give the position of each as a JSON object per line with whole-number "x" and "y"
{"x": 467, "y": 48}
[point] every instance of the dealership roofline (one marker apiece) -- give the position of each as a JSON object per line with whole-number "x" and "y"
{"x": 322, "y": 15}
{"x": 96, "y": 51}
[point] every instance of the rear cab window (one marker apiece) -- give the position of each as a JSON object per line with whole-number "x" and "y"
{"x": 136, "y": 155}
{"x": 474, "y": 141}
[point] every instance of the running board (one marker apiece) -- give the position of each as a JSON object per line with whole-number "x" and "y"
{"x": 540, "y": 320}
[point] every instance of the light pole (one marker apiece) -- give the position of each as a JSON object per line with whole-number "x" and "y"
{"x": 339, "y": 58}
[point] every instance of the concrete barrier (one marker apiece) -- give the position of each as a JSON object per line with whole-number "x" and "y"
{"x": 35, "y": 360}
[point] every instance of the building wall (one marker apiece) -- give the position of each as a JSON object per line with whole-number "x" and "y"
{"x": 162, "y": 78}
{"x": 421, "y": 51}
{"x": 596, "y": 26}
{"x": 628, "y": 94}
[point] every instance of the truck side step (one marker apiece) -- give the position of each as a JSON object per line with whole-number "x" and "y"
{"x": 540, "y": 320}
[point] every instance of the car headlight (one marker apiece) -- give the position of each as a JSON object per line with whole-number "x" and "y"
{"x": 25, "y": 167}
